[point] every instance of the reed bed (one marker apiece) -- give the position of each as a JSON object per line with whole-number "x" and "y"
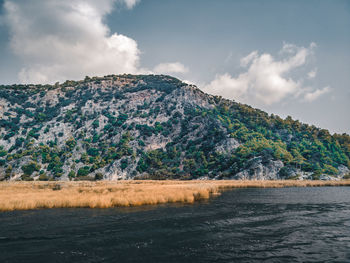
{"x": 35, "y": 195}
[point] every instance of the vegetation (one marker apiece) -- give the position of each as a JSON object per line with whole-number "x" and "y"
{"x": 152, "y": 127}
{"x": 35, "y": 195}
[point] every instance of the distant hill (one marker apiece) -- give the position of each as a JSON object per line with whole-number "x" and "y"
{"x": 154, "y": 127}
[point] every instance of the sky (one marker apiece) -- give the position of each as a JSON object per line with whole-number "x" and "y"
{"x": 288, "y": 57}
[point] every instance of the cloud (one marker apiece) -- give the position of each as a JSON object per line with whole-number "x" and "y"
{"x": 168, "y": 68}
{"x": 246, "y": 60}
{"x": 311, "y": 96}
{"x": 312, "y": 74}
{"x": 189, "y": 82}
{"x": 266, "y": 79}
{"x": 227, "y": 86}
{"x": 67, "y": 39}
{"x": 130, "y": 3}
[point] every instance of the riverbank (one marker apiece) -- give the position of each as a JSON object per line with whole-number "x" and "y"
{"x": 104, "y": 194}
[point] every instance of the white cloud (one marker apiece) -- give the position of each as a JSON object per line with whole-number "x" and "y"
{"x": 312, "y": 74}
{"x": 189, "y": 82}
{"x": 311, "y": 96}
{"x": 130, "y": 3}
{"x": 266, "y": 80}
{"x": 246, "y": 60}
{"x": 227, "y": 86}
{"x": 67, "y": 39}
{"x": 168, "y": 68}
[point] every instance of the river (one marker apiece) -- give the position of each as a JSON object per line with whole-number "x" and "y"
{"x": 241, "y": 225}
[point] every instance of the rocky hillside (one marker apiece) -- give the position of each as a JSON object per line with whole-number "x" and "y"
{"x": 146, "y": 126}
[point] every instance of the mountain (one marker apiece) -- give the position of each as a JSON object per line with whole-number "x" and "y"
{"x": 154, "y": 127}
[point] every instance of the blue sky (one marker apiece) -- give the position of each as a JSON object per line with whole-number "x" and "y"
{"x": 285, "y": 57}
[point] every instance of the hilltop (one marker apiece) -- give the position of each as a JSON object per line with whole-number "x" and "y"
{"x": 154, "y": 127}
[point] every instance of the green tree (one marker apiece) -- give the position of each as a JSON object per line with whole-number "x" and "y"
{"x": 71, "y": 175}
{"x": 83, "y": 171}
{"x": 31, "y": 167}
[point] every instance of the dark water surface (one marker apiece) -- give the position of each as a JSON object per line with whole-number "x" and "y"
{"x": 242, "y": 225}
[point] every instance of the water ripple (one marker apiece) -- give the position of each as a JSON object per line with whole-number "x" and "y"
{"x": 243, "y": 225}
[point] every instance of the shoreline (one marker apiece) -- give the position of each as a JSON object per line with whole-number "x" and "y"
{"x": 21, "y": 195}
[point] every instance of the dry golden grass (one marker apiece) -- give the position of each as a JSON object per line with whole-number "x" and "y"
{"x": 34, "y": 195}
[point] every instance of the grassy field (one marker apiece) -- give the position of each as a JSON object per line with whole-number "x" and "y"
{"x": 104, "y": 194}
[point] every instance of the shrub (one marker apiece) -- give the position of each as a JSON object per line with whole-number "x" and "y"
{"x": 93, "y": 152}
{"x": 316, "y": 175}
{"x": 71, "y": 175}
{"x": 124, "y": 163}
{"x": 9, "y": 135}
{"x": 43, "y": 177}
{"x": 71, "y": 143}
{"x": 283, "y": 172}
{"x": 26, "y": 177}
{"x": 29, "y": 168}
{"x": 328, "y": 169}
{"x": 83, "y": 171}
{"x": 3, "y": 153}
{"x": 98, "y": 176}
{"x": 95, "y": 124}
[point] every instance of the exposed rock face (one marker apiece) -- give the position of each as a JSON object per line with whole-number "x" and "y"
{"x": 125, "y": 127}
{"x": 227, "y": 146}
{"x": 257, "y": 170}
{"x": 343, "y": 170}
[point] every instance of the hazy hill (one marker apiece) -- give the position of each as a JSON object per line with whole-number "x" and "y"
{"x": 147, "y": 126}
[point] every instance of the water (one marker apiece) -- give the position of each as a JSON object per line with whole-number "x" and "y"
{"x": 242, "y": 225}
